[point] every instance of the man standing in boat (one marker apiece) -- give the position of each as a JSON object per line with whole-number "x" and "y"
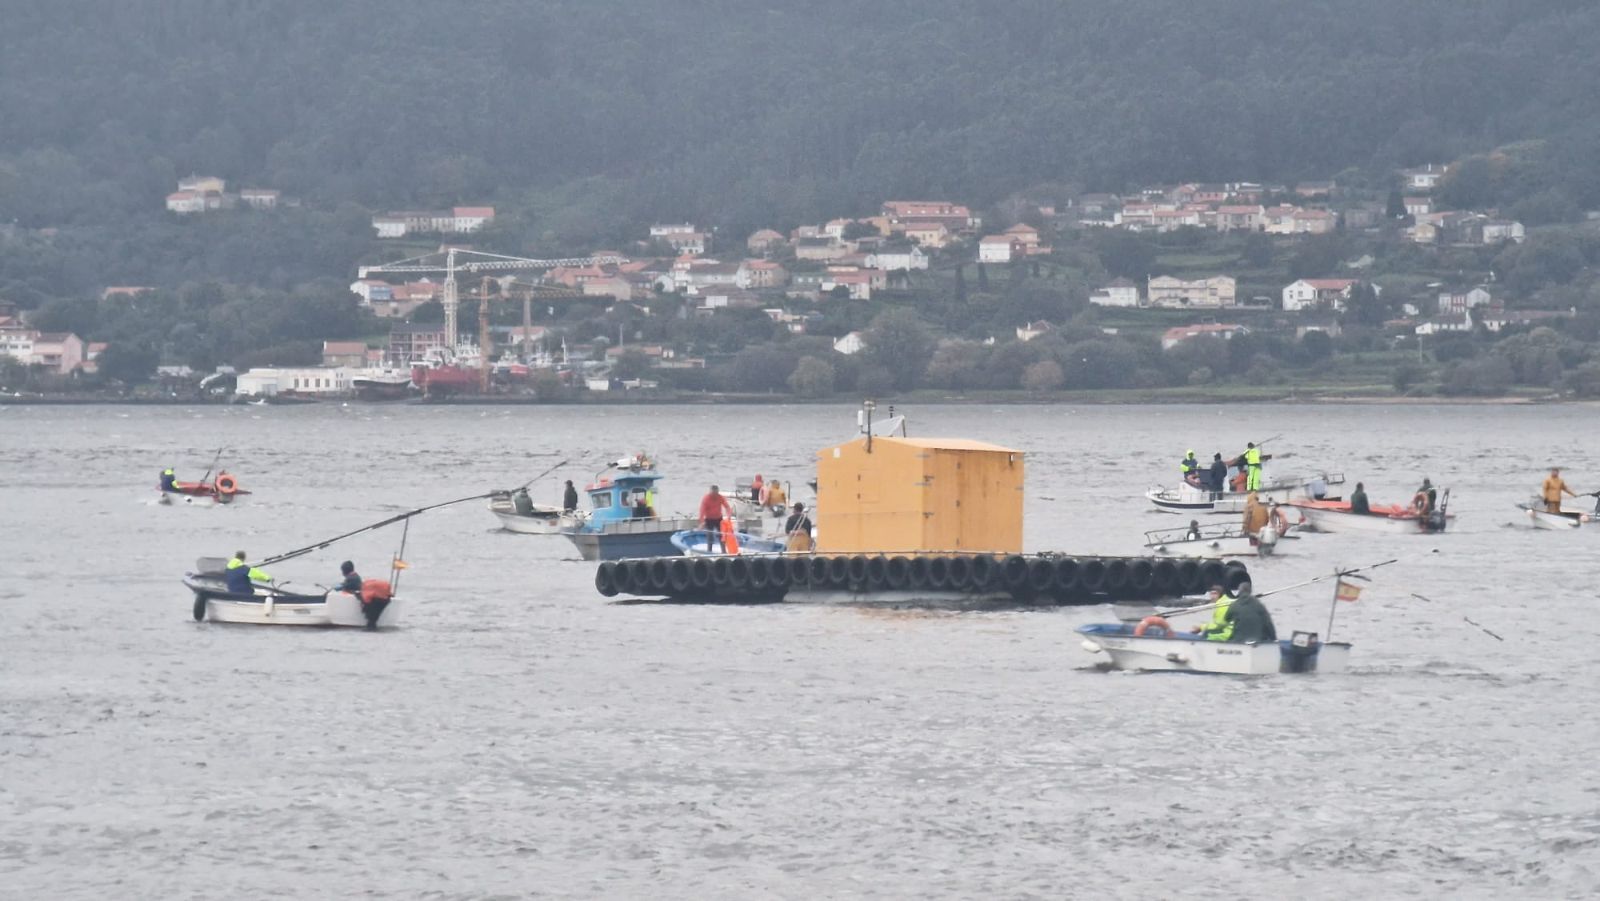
{"x": 1554, "y": 487}
{"x": 1252, "y": 458}
{"x": 569, "y": 498}
{"x": 798, "y": 530}
{"x": 1219, "y": 477}
{"x": 712, "y": 507}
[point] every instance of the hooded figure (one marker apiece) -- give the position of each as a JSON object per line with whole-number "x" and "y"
{"x": 352, "y": 579}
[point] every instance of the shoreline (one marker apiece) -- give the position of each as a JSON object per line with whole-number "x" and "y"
{"x": 1107, "y": 398}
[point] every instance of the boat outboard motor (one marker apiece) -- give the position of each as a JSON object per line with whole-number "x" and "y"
{"x": 1299, "y": 654}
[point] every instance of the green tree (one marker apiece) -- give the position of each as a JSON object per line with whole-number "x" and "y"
{"x": 1045, "y": 375}
{"x": 631, "y": 364}
{"x": 128, "y": 362}
{"x": 899, "y": 342}
{"x": 812, "y": 377}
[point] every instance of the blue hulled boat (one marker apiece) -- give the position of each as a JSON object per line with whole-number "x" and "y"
{"x": 623, "y": 522}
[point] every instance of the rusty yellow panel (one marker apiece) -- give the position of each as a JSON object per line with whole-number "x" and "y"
{"x": 919, "y": 495}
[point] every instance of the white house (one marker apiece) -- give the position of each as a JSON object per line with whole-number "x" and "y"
{"x": 676, "y": 228}
{"x": 1447, "y": 322}
{"x": 1119, "y": 292}
{"x": 890, "y": 260}
{"x": 1497, "y": 230}
{"x": 389, "y": 226}
{"x": 850, "y": 344}
{"x": 267, "y": 382}
{"x": 1166, "y": 291}
{"x": 1423, "y": 178}
{"x": 465, "y": 219}
{"x": 1311, "y": 292}
{"x": 999, "y": 249}
{"x": 186, "y": 202}
{"x": 259, "y": 198}
{"x": 1451, "y": 302}
{"x": 1418, "y": 206}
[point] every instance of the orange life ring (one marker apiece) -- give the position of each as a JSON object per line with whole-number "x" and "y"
{"x": 1419, "y": 503}
{"x": 226, "y": 484}
{"x": 1151, "y": 622}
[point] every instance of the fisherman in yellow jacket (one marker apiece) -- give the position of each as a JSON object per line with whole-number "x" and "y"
{"x": 1553, "y": 488}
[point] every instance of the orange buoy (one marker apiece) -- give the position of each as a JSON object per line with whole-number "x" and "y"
{"x": 1152, "y": 622}
{"x": 730, "y": 541}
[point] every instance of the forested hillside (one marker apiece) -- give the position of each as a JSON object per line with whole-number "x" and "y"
{"x": 582, "y": 115}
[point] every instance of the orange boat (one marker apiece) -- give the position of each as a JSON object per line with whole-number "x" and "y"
{"x": 224, "y": 489}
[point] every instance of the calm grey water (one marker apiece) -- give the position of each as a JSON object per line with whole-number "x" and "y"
{"x": 523, "y": 737}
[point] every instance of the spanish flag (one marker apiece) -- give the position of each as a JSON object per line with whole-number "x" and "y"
{"x": 401, "y": 564}
{"x": 1347, "y": 591}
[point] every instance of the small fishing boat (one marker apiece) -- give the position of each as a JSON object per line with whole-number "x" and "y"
{"x": 1214, "y": 540}
{"x": 1388, "y": 519}
{"x": 1540, "y": 518}
{"x": 532, "y": 519}
{"x": 224, "y": 489}
{"x": 1134, "y": 647}
{"x": 274, "y": 606}
{"x": 616, "y": 529}
{"x": 697, "y": 543}
{"x": 1186, "y": 498}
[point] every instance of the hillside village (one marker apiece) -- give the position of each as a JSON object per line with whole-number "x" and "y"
{"x": 806, "y": 279}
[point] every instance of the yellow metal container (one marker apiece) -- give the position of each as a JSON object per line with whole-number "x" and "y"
{"x": 919, "y": 495}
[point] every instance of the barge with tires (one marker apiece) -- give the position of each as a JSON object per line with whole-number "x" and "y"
{"x": 1029, "y": 579}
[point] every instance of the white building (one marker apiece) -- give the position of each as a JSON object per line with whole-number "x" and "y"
{"x": 1453, "y": 302}
{"x": 467, "y": 219}
{"x": 677, "y": 228}
{"x": 259, "y": 198}
{"x": 1423, "y": 178}
{"x": 1166, "y": 291}
{"x": 850, "y": 344}
{"x": 999, "y": 249}
{"x": 890, "y": 260}
{"x": 186, "y": 202}
{"x": 389, "y": 226}
{"x": 271, "y": 381}
{"x": 1119, "y": 293}
{"x": 1497, "y": 230}
{"x": 1311, "y": 292}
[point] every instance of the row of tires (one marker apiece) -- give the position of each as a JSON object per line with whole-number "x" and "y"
{"x": 1060, "y": 578}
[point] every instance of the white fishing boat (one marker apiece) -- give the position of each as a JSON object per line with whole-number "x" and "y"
{"x": 269, "y": 605}
{"x": 534, "y": 519}
{"x": 1186, "y": 498}
{"x": 1215, "y": 540}
{"x": 1540, "y": 518}
{"x": 1129, "y": 647}
{"x": 1387, "y": 519}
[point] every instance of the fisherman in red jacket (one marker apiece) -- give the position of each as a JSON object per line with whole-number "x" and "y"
{"x": 712, "y": 507}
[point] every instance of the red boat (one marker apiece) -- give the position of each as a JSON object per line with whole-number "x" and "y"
{"x": 442, "y": 372}
{"x": 224, "y": 489}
